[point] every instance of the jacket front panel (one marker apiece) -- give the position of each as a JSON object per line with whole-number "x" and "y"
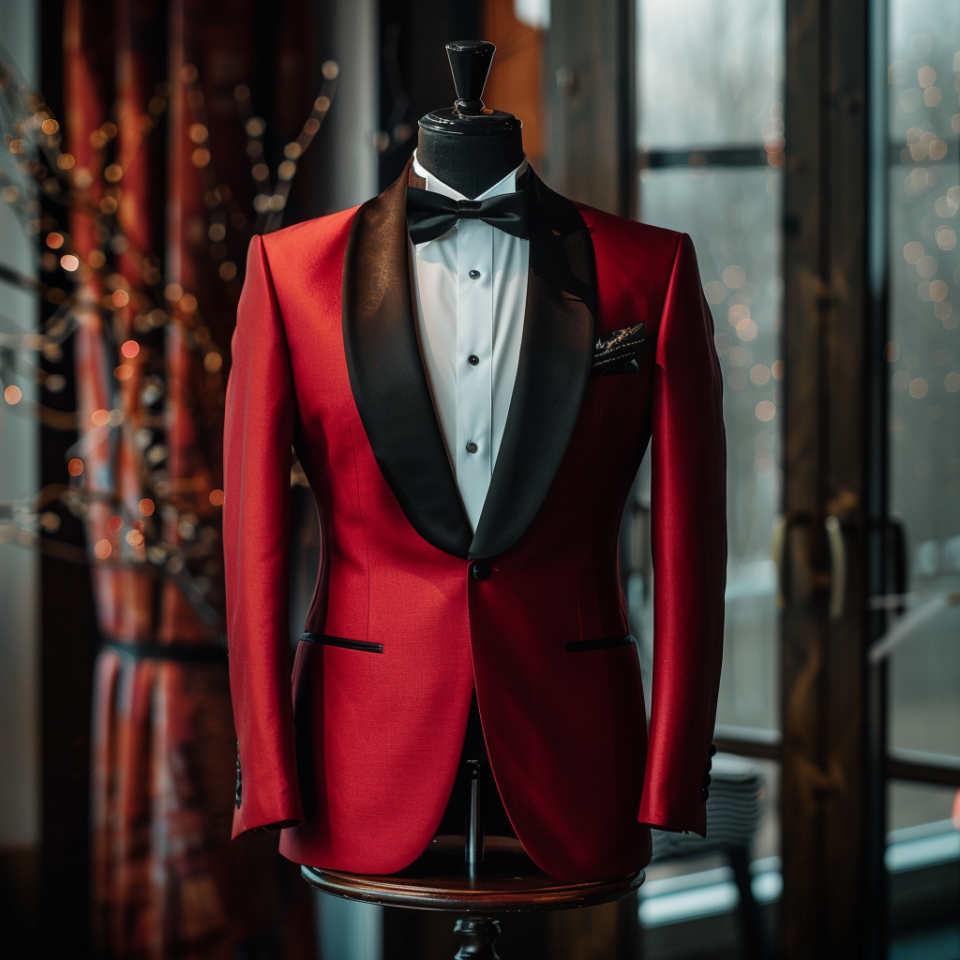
{"x": 376, "y": 728}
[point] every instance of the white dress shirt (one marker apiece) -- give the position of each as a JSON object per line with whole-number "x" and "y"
{"x": 470, "y": 291}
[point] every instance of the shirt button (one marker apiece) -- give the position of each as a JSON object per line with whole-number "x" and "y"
{"x": 473, "y": 359}
{"x": 474, "y": 274}
{"x": 471, "y": 447}
{"x": 481, "y": 570}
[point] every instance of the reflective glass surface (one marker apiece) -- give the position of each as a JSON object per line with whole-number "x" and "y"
{"x": 914, "y": 804}
{"x": 923, "y": 362}
{"x": 733, "y": 216}
{"x": 922, "y": 857}
{"x": 709, "y": 73}
{"x": 709, "y": 80}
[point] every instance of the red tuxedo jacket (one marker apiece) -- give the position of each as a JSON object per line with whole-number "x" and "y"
{"x": 412, "y": 610}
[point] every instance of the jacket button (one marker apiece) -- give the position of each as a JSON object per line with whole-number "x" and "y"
{"x": 481, "y": 570}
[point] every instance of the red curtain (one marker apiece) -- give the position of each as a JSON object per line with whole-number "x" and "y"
{"x": 156, "y": 141}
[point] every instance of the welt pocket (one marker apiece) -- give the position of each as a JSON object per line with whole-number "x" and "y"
{"x": 616, "y": 367}
{"x": 328, "y": 641}
{"x": 604, "y": 643}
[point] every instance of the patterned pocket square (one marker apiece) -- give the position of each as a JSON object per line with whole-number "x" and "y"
{"x": 619, "y": 352}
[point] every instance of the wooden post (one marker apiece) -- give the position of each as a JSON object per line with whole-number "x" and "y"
{"x": 824, "y": 624}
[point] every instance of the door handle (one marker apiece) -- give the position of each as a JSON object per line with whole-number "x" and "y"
{"x": 782, "y": 527}
{"x": 838, "y": 561}
{"x": 838, "y": 566}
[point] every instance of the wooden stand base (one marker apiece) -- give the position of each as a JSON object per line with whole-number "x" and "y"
{"x": 477, "y": 936}
{"x": 507, "y": 883}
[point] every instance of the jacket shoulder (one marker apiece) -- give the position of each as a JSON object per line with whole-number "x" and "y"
{"x": 633, "y": 231}
{"x": 634, "y": 264}
{"x": 620, "y": 238}
{"x": 312, "y": 245}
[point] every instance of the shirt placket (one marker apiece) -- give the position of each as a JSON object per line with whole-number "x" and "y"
{"x": 474, "y": 360}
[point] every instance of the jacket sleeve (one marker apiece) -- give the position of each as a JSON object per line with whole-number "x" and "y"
{"x": 256, "y": 522}
{"x": 688, "y": 504}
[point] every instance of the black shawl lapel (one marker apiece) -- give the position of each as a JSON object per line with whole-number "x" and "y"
{"x": 387, "y": 376}
{"x": 393, "y": 397}
{"x": 553, "y": 371}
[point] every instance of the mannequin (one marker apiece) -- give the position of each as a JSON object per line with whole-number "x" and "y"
{"x": 503, "y": 588}
{"x": 469, "y": 146}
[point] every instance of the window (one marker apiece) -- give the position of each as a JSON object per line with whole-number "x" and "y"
{"x": 711, "y": 154}
{"x": 922, "y": 358}
{"x": 710, "y": 159}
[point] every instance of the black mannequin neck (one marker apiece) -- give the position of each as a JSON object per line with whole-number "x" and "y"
{"x": 470, "y": 164}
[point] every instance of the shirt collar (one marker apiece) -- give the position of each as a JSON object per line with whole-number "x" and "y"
{"x": 507, "y": 185}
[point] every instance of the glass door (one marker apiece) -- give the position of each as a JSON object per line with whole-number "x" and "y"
{"x": 812, "y": 151}
{"x": 710, "y": 162}
{"x": 917, "y": 652}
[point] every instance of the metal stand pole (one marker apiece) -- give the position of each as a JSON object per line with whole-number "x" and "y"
{"x": 474, "y": 844}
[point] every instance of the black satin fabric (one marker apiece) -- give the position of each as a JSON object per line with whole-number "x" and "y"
{"x": 387, "y": 377}
{"x": 393, "y": 397}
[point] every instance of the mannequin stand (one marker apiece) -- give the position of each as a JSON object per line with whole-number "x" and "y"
{"x": 508, "y": 883}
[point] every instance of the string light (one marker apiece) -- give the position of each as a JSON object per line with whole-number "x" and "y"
{"x": 34, "y": 136}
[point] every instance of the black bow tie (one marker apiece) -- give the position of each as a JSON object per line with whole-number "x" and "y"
{"x": 431, "y": 215}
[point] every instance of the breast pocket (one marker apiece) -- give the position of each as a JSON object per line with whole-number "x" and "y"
{"x": 620, "y": 351}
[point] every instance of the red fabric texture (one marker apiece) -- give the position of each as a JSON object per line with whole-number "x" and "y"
{"x": 378, "y": 736}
